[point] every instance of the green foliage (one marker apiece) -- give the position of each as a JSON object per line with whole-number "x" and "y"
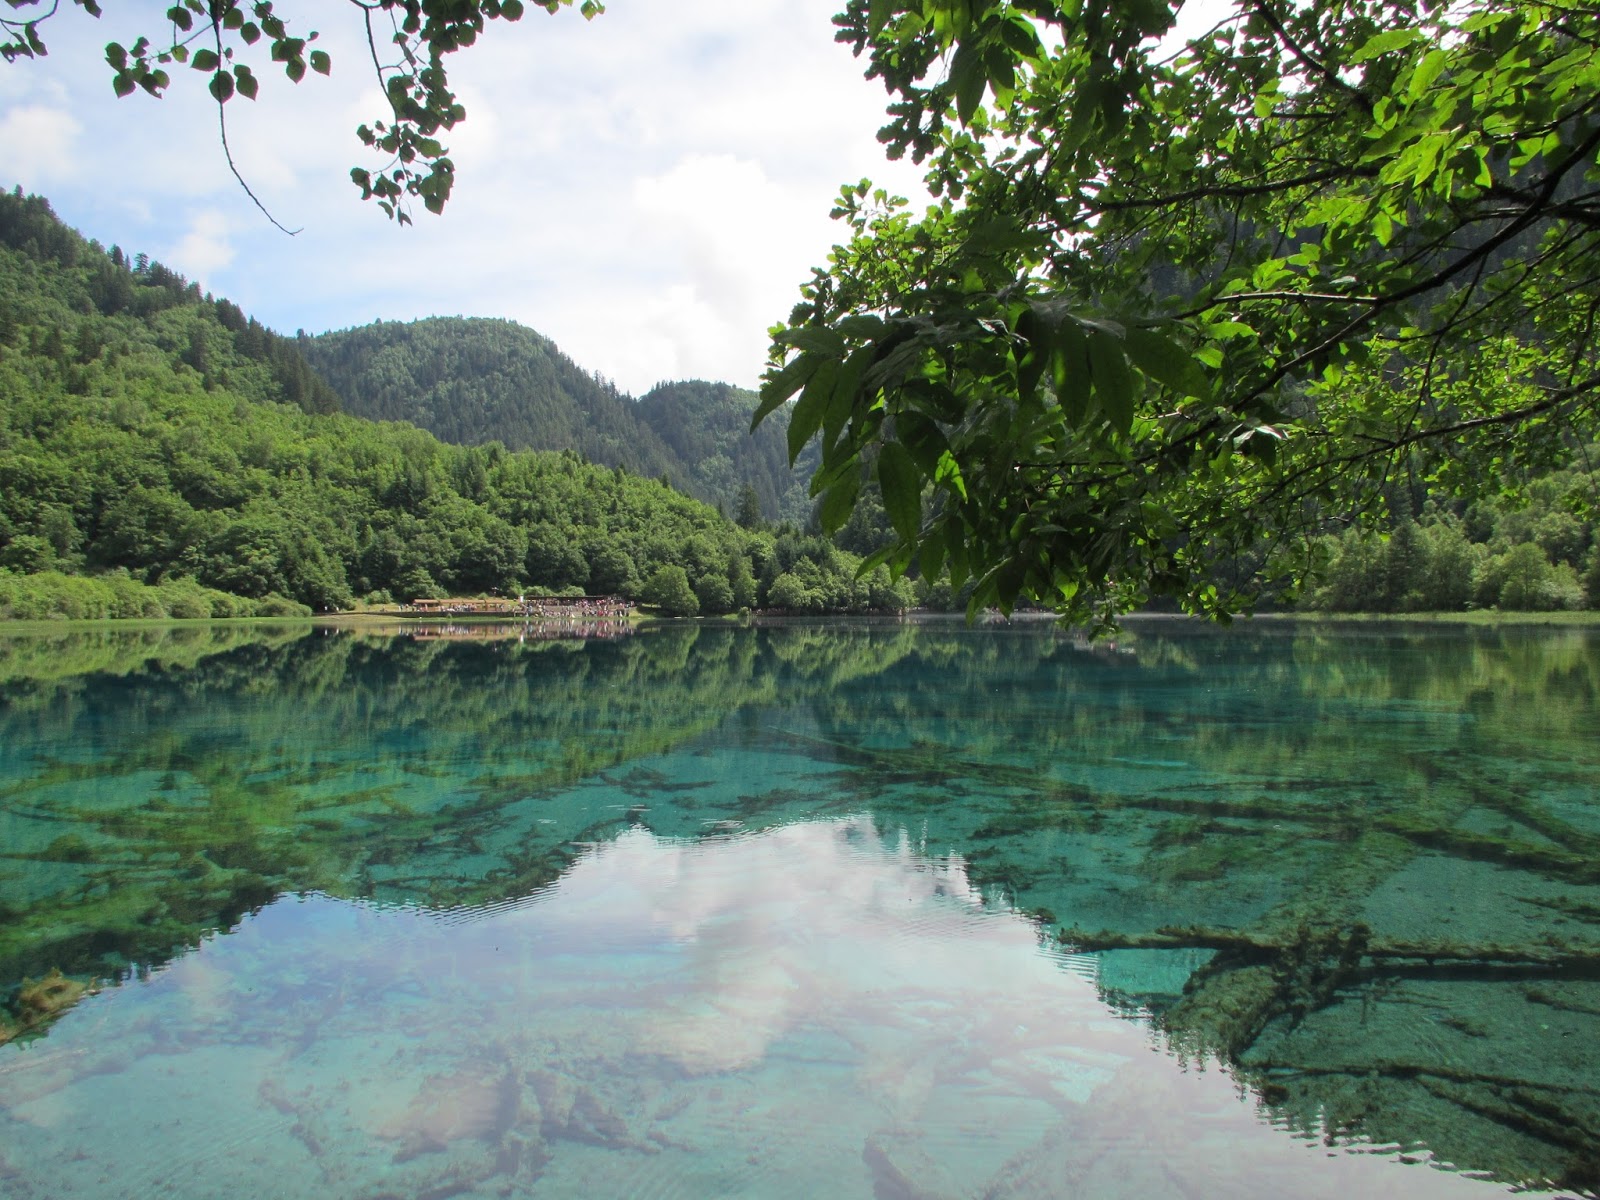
{"x": 1521, "y": 551}
{"x": 789, "y": 592}
{"x": 1522, "y": 579}
{"x": 714, "y": 594}
{"x": 53, "y": 596}
{"x": 706, "y": 426}
{"x": 748, "y": 515}
{"x": 1172, "y": 312}
{"x": 477, "y": 382}
{"x": 668, "y": 589}
{"x": 125, "y": 460}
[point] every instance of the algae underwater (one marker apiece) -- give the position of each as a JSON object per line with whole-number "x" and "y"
{"x": 867, "y": 909}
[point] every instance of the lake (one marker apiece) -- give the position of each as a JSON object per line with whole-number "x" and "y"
{"x": 889, "y": 911}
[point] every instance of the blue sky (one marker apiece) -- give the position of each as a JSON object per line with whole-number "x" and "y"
{"x": 648, "y": 189}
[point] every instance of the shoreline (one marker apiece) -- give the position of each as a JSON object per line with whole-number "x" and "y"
{"x": 356, "y": 619}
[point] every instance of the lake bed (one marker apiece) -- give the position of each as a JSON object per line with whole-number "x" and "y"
{"x": 863, "y": 910}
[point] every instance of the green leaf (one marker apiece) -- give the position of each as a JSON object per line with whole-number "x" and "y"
{"x": 838, "y": 502}
{"x": 948, "y": 473}
{"x": 876, "y": 559}
{"x": 968, "y": 79}
{"x": 842, "y": 403}
{"x": 1163, "y": 360}
{"x": 806, "y": 418}
{"x": 320, "y": 62}
{"x": 205, "y": 60}
{"x": 1383, "y": 43}
{"x": 956, "y": 552}
{"x": 1113, "y": 383}
{"x": 1035, "y": 357}
{"x": 815, "y": 338}
{"x": 1070, "y": 372}
{"x": 221, "y": 87}
{"x": 782, "y": 384}
{"x": 902, "y": 489}
{"x": 930, "y": 554}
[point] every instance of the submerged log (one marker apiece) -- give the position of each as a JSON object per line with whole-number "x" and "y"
{"x": 1575, "y": 960}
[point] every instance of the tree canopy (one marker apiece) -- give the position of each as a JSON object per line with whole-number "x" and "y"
{"x": 1181, "y": 302}
{"x": 1178, "y": 305}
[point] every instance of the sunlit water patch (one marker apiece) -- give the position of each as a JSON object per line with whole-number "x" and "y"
{"x": 811, "y": 1011}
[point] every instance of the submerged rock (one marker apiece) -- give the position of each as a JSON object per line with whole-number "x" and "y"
{"x": 451, "y": 1108}
{"x": 41, "y": 1001}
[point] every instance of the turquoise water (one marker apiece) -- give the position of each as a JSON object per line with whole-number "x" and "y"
{"x": 877, "y": 911}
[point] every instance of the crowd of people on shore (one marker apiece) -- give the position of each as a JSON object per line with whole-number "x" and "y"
{"x": 589, "y": 608}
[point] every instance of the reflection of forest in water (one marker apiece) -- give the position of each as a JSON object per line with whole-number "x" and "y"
{"x": 1360, "y": 864}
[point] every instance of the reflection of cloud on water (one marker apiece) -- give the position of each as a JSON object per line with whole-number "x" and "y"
{"x": 825, "y": 925}
{"x": 966, "y": 1059}
{"x": 813, "y": 1010}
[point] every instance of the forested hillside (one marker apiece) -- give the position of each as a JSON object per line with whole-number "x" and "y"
{"x": 1534, "y": 550}
{"x": 155, "y": 437}
{"x": 471, "y": 381}
{"x": 161, "y": 453}
{"x": 707, "y": 426}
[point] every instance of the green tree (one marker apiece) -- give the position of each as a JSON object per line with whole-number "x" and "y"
{"x": 789, "y": 591}
{"x": 714, "y": 594}
{"x": 1172, "y": 308}
{"x": 668, "y": 589}
{"x": 749, "y": 512}
{"x": 612, "y": 572}
{"x": 742, "y": 587}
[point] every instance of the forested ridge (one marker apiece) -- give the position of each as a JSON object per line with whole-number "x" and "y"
{"x": 162, "y": 454}
{"x": 476, "y": 380}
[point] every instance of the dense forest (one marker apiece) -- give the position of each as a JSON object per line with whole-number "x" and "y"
{"x": 475, "y": 381}
{"x": 162, "y": 454}
{"x": 166, "y": 455}
{"x": 1538, "y": 555}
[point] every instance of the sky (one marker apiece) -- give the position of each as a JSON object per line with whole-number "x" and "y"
{"x": 648, "y": 189}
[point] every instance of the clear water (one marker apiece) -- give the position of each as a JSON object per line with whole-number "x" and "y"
{"x": 894, "y": 912}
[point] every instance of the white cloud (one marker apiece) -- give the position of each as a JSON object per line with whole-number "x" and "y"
{"x": 649, "y": 188}
{"x": 205, "y": 249}
{"x": 39, "y": 144}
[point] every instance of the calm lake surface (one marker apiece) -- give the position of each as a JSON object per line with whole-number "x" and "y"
{"x": 893, "y": 912}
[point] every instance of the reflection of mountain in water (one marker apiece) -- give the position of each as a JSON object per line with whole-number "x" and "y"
{"x": 1360, "y": 866}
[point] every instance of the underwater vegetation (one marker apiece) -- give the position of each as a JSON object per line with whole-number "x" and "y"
{"x": 1356, "y": 867}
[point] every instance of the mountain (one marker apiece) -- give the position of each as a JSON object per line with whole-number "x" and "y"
{"x": 707, "y": 426}
{"x": 163, "y": 454}
{"x": 471, "y": 381}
